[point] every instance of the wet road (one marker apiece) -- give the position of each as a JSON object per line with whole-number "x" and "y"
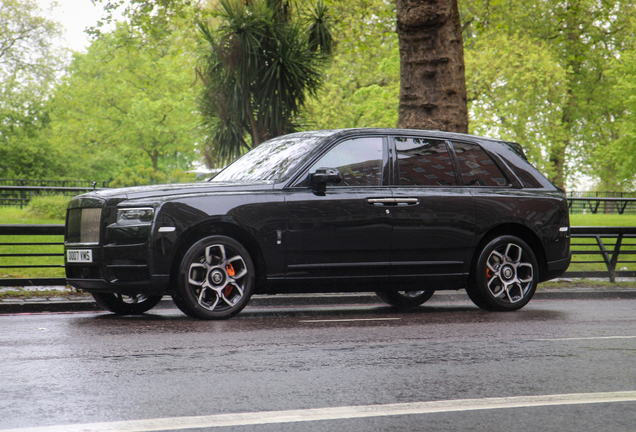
{"x": 64, "y": 369}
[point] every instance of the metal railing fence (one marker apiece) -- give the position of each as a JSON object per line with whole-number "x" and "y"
{"x": 20, "y": 196}
{"x": 602, "y": 202}
{"x": 54, "y": 183}
{"x": 24, "y": 230}
{"x": 616, "y": 247}
{"x": 18, "y": 193}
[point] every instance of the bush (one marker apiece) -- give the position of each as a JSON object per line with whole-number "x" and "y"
{"x": 141, "y": 176}
{"x": 48, "y": 206}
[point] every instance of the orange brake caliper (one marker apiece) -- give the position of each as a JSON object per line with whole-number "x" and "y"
{"x": 231, "y": 272}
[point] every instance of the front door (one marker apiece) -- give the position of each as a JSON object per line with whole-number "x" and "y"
{"x": 344, "y": 236}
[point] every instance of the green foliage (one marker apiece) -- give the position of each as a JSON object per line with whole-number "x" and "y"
{"x": 362, "y": 83}
{"x": 130, "y": 100}
{"x": 153, "y": 17}
{"x": 558, "y": 77}
{"x": 141, "y": 175}
{"x": 28, "y": 67}
{"x": 575, "y": 47}
{"x": 260, "y": 63}
{"x": 48, "y": 206}
{"x": 516, "y": 91}
{"x": 617, "y": 164}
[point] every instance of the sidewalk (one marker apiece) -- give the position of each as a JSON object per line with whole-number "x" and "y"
{"x": 84, "y": 302}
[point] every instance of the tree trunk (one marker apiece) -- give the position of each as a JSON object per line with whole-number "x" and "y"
{"x": 432, "y": 81}
{"x": 255, "y": 132}
{"x": 557, "y": 159}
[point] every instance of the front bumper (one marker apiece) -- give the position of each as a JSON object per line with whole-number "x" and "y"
{"x": 156, "y": 285}
{"x": 125, "y": 269}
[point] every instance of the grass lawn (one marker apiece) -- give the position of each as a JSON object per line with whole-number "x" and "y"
{"x": 602, "y": 220}
{"x": 11, "y": 215}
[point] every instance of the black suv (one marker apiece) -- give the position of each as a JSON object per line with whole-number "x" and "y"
{"x": 399, "y": 212}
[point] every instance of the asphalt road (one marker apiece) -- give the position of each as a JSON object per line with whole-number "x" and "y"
{"x": 447, "y": 366}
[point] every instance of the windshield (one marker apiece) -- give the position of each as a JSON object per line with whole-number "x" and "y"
{"x": 272, "y": 161}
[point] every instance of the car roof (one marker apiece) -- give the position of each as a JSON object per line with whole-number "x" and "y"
{"x": 332, "y": 133}
{"x": 338, "y": 133}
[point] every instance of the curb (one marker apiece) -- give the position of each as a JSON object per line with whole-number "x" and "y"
{"x": 85, "y": 303}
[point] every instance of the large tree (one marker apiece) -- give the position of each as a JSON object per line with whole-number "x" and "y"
{"x": 432, "y": 86}
{"x": 263, "y": 61}
{"x": 548, "y": 66}
{"x": 130, "y": 101}
{"x": 29, "y": 63}
{"x": 616, "y": 165}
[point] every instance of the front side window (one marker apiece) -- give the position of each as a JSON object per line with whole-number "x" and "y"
{"x": 477, "y": 168}
{"x": 272, "y": 161}
{"x": 359, "y": 160}
{"x": 423, "y": 162}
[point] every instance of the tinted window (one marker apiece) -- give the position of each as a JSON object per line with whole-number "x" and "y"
{"x": 423, "y": 162}
{"x": 527, "y": 178}
{"x": 477, "y": 168}
{"x": 359, "y": 160}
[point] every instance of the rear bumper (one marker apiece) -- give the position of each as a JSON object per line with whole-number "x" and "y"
{"x": 557, "y": 268}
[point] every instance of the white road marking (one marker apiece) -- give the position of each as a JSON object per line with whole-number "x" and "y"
{"x": 338, "y": 413}
{"x": 587, "y": 338}
{"x": 350, "y": 320}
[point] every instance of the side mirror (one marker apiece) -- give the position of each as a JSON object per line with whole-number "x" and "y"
{"x": 322, "y": 177}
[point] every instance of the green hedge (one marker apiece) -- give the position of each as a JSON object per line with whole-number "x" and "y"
{"x": 48, "y": 206}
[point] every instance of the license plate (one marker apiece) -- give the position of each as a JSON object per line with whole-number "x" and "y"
{"x": 81, "y": 256}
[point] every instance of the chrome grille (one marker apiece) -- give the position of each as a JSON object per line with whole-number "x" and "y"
{"x": 83, "y": 225}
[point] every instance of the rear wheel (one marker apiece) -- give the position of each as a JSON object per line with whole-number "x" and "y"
{"x": 505, "y": 277}
{"x": 405, "y": 298}
{"x": 216, "y": 279}
{"x": 121, "y": 304}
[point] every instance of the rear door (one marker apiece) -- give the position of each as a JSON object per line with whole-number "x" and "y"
{"x": 497, "y": 201}
{"x": 434, "y": 215}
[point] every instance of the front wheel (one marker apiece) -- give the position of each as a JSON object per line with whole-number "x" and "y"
{"x": 405, "y": 298}
{"x": 505, "y": 277}
{"x": 216, "y": 279}
{"x": 123, "y": 304}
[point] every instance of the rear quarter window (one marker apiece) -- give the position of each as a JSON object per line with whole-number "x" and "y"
{"x": 477, "y": 168}
{"x": 529, "y": 176}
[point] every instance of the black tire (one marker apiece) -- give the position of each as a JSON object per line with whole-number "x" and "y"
{"x": 216, "y": 279}
{"x": 405, "y": 299}
{"x": 505, "y": 275}
{"x": 122, "y": 304}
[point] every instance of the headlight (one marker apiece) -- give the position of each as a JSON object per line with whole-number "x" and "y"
{"x": 135, "y": 216}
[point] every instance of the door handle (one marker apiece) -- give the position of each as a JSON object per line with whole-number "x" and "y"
{"x": 407, "y": 201}
{"x": 381, "y": 201}
{"x": 393, "y": 201}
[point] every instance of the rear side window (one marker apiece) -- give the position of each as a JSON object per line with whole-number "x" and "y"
{"x": 477, "y": 168}
{"x": 423, "y": 162}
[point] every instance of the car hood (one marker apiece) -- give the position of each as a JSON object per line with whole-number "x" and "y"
{"x": 166, "y": 191}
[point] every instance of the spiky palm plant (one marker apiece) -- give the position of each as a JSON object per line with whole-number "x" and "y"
{"x": 260, "y": 64}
